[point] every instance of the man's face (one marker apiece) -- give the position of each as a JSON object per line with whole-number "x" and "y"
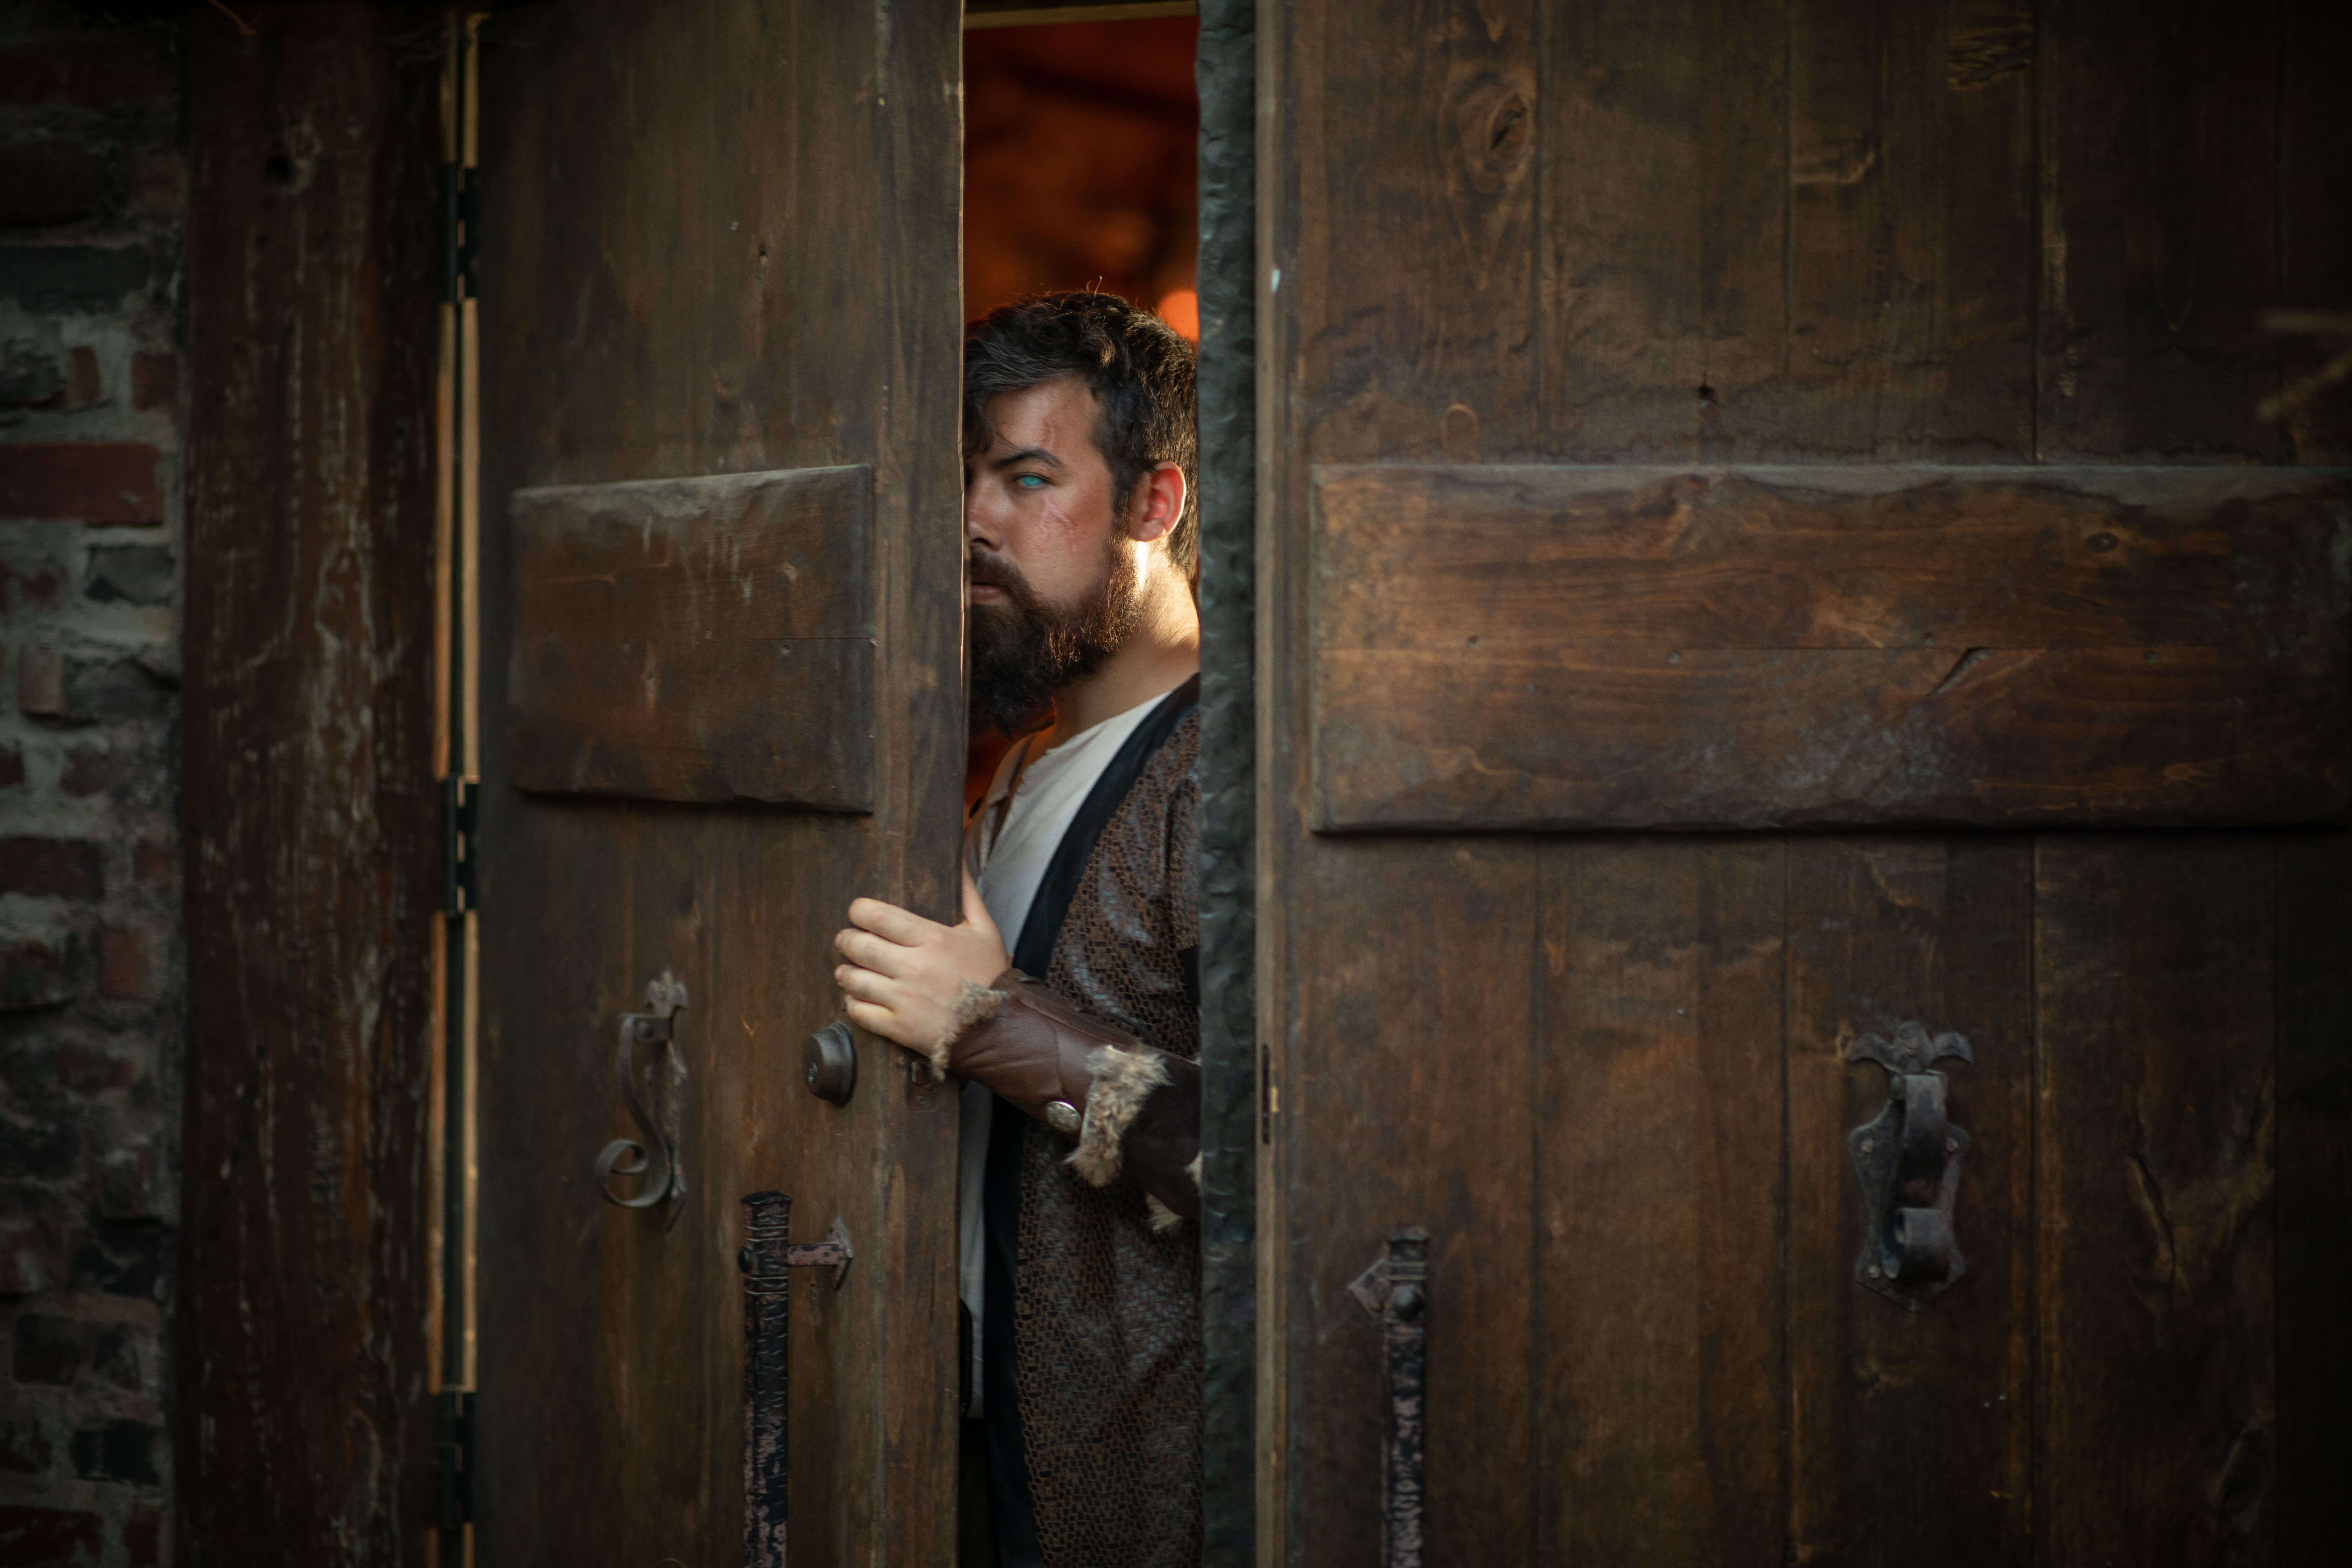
{"x": 1052, "y": 575}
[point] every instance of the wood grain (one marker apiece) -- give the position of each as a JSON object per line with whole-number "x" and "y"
{"x": 696, "y": 639}
{"x": 721, "y": 235}
{"x": 2158, "y": 148}
{"x": 1610, "y": 647}
{"x": 2154, "y": 1186}
{"x": 1425, "y": 336}
{"x": 1660, "y": 1204}
{"x": 309, "y": 815}
{"x": 1912, "y": 1432}
{"x": 1910, "y": 255}
{"x": 1410, "y": 1084}
{"x": 2314, "y": 216}
{"x": 2314, "y": 1194}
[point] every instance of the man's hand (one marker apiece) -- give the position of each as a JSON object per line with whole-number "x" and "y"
{"x": 905, "y": 974}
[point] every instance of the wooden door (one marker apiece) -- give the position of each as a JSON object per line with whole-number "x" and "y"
{"x": 1768, "y": 541}
{"x": 722, "y": 596}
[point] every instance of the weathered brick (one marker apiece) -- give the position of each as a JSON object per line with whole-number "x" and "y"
{"x": 36, "y": 974}
{"x": 41, "y": 682}
{"x": 32, "y": 373}
{"x": 37, "y": 585}
{"x": 154, "y": 864}
{"x": 88, "y": 73}
{"x": 84, "y": 384}
{"x": 27, "y": 1254}
{"x": 119, "y": 1450}
{"x": 92, "y": 769}
{"x": 49, "y": 867}
{"x": 116, "y": 1356}
{"x": 131, "y": 575}
{"x": 123, "y": 972}
{"x": 11, "y": 766}
{"x": 114, "y": 689}
{"x": 94, "y": 481}
{"x": 127, "y": 1185}
{"x": 49, "y": 1349}
{"x": 41, "y": 1151}
{"x": 40, "y": 1537}
{"x": 77, "y": 1066}
{"x": 154, "y": 380}
{"x": 142, "y": 1537}
{"x": 91, "y": 280}
{"x": 24, "y": 1447}
{"x": 123, "y": 1260}
{"x": 49, "y": 182}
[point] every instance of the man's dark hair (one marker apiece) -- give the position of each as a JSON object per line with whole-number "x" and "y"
{"x": 1140, "y": 370}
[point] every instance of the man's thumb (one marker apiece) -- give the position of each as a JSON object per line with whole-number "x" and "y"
{"x": 975, "y": 909}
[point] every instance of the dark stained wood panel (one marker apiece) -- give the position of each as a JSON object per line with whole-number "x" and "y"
{"x": 1660, "y": 1204}
{"x": 2154, "y": 1186}
{"x": 720, "y": 238}
{"x": 1911, "y": 1432}
{"x": 303, "y": 1297}
{"x": 2159, "y": 147}
{"x": 1412, "y": 1089}
{"x": 2315, "y": 1194}
{"x": 1511, "y": 647}
{"x": 697, "y": 639}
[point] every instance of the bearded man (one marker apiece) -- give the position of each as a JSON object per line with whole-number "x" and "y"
{"x": 1078, "y": 1047}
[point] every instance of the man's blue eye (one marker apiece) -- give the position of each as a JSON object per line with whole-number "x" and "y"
{"x": 1030, "y": 481}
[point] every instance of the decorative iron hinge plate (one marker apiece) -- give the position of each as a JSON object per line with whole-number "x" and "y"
{"x": 457, "y": 1456}
{"x": 461, "y": 803}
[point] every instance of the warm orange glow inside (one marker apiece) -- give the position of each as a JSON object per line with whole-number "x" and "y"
{"x": 1182, "y": 310}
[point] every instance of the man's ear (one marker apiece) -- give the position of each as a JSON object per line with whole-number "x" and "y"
{"x": 1158, "y": 504}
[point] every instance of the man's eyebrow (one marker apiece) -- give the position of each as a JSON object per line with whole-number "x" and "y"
{"x": 1026, "y": 455}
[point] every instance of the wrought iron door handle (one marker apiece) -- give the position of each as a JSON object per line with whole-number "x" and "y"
{"x": 767, "y": 1261}
{"x": 1908, "y": 1163}
{"x": 664, "y": 1082}
{"x": 1395, "y": 1290}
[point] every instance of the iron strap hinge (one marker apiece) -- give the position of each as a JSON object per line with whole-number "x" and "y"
{"x": 461, "y": 228}
{"x": 461, "y": 810}
{"x": 456, "y": 1464}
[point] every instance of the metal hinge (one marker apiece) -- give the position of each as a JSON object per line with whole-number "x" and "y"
{"x": 457, "y": 1459}
{"x": 461, "y": 232}
{"x": 462, "y": 803}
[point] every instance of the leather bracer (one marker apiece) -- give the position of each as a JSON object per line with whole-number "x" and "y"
{"x": 1133, "y": 1110}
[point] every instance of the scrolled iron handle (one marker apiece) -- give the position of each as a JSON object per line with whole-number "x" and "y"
{"x": 1907, "y": 1161}
{"x": 1395, "y": 1289}
{"x": 658, "y": 1124}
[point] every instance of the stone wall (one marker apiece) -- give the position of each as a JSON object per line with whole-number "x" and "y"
{"x": 92, "y": 204}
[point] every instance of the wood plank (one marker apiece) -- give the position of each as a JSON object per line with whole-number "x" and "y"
{"x": 2315, "y": 1194}
{"x": 1911, "y": 1431}
{"x": 1418, "y": 345}
{"x": 303, "y": 1289}
{"x": 1406, "y": 1085}
{"x": 1664, "y": 227}
{"x": 1598, "y": 647}
{"x": 2154, "y": 1189}
{"x": 2315, "y": 216}
{"x": 705, "y": 639}
{"x": 2158, "y": 127}
{"x": 1657, "y": 1279}
{"x": 1911, "y": 261}
{"x": 656, "y": 305}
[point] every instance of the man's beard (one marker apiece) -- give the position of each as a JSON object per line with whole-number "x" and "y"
{"x": 1024, "y": 650}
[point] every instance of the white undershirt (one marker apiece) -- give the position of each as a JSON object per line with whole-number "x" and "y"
{"x": 1011, "y": 853}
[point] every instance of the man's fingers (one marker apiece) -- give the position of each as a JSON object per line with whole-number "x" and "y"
{"x": 975, "y": 909}
{"x": 874, "y": 1020}
{"x": 893, "y": 923}
{"x": 862, "y": 984}
{"x": 870, "y": 951}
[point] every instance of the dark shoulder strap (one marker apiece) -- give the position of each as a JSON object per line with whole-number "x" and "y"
{"x": 1042, "y": 927}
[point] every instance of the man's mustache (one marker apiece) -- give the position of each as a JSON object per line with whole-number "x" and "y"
{"x": 994, "y": 571}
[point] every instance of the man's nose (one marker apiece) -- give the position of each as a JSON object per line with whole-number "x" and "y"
{"x": 978, "y": 528}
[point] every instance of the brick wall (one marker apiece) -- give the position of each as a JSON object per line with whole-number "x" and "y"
{"x": 91, "y": 218}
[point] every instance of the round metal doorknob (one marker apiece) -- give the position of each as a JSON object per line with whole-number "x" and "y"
{"x": 829, "y": 1063}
